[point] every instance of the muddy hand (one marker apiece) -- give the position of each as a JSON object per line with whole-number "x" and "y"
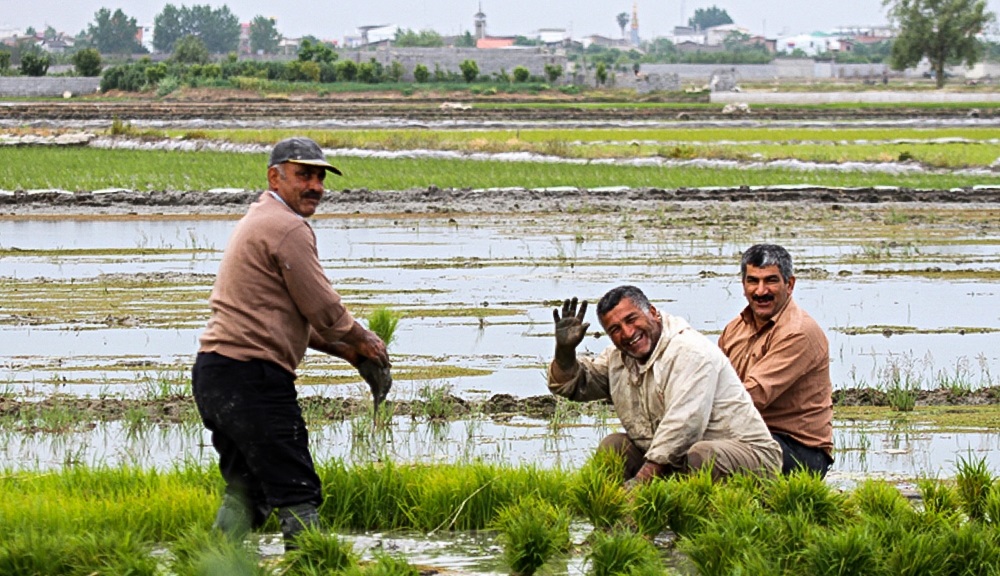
{"x": 373, "y": 349}
{"x": 379, "y": 379}
{"x": 570, "y": 327}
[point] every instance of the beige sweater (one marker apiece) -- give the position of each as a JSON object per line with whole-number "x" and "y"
{"x": 684, "y": 393}
{"x": 270, "y": 289}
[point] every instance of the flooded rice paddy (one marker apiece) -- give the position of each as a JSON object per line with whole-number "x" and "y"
{"x": 112, "y": 308}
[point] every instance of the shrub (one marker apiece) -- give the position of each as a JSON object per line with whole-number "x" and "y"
{"x": 601, "y": 73}
{"x": 470, "y": 70}
{"x": 421, "y": 74}
{"x": 4, "y": 59}
{"x": 347, "y": 70}
{"x": 155, "y": 73}
{"x": 190, "y": 50}
{"x": 302, "y": 71}
{"x": 167, "y": 85}
{"x": 87, "y": 62}
{"x": 553, "y": 72}
{"x": 395, "y": 71}
{"x": 521, "y": 74}
{"x": 128, "y": 77}
{"x": 35, "y": 64}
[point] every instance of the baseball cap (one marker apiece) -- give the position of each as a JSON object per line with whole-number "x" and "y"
{"x": 300, "y": 150}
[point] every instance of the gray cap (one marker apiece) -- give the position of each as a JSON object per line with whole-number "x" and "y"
{"x": 300, "y": 150}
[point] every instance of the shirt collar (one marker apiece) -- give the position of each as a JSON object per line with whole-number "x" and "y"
{"x": 285, "y": 204}
{"x": 748, "y": 319}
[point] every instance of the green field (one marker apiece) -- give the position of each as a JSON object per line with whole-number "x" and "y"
{"x": 84, "y": 169}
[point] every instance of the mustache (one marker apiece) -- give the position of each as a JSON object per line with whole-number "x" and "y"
{"x": 765, "y": 298}
{"x": 313, "y": 195}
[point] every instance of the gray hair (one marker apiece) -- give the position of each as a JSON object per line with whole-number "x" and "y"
{"x": 764, "y": 255}
{"x": 609, "y": 301}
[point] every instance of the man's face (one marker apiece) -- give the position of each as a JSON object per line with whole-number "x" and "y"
{"x": 766, "y": 291}
{"x": 299, "y": 185}
{"x": 633, "y": 330}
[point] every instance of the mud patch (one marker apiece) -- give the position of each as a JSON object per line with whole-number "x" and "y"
{"x": 434, "y": 200}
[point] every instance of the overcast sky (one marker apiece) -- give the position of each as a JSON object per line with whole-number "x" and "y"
{"x": 333, "y": 19}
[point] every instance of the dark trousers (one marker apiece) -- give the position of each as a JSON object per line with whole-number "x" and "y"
{"x": 795, "y": 455}
{"x": 252, "y": 410}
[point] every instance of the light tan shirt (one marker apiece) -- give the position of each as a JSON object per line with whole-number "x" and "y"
{"x": 270, "y": 289}
{"x": 786, "y": 368}
{"x": 684, "y": 393}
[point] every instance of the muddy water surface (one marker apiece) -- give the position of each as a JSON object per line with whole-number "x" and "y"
{"x": 478, "y": 293}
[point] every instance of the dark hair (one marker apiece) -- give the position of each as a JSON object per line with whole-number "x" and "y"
{"x": 763, "y": 255}
{"x": 614, "y": 296}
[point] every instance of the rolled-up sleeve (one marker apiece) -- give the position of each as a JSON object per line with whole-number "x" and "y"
{"x": 588, "y": 382}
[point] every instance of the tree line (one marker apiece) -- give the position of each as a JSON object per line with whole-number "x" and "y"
{"x": 944, "y": 32}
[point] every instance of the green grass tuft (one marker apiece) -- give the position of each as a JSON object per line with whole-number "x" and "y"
{"x": 622, "y": 553}
{"x": 383, "y": 322}
{"x": 597, "y": 492}
{"x": 532, "y": 531}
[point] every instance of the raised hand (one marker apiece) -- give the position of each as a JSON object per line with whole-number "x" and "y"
{"x": 570, "y": 330}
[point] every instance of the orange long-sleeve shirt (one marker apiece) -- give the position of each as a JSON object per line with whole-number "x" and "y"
{"x": 785, "y": 366}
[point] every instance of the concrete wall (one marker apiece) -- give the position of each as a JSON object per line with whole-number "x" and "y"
{"x": 849, "y": 97}
{"x": 777, "y": 70}
{"x": 448, "y": 59}
{"x": 47, "y": 85}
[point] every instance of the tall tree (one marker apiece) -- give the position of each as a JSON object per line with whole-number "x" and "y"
{"x": 708, "y": 17}
{"x": 264, "y": 35}
{"x": 167, "y": 29}
{"x": 943, "y": 31}
{"x": 114, "y": 33}
{"x": 622, "y": 19}
{"x": 219, "y": 28}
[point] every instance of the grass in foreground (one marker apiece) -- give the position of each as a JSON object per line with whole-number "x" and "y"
{"x": 82, "y": 521}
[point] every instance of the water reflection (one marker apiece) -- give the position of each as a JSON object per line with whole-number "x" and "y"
{"x": 519, "y": 267}
{"x": 871, "y": 449}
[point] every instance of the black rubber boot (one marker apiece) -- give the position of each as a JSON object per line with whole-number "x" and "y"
{"x": 294, "y": 520}
{"x": 234, "y": 517}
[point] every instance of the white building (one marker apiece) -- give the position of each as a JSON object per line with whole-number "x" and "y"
{"x": 552, "y": 35}
{"x": 810, "y": 44}
{"x": 716, "y": 35}
{"x": 146, "y": 36}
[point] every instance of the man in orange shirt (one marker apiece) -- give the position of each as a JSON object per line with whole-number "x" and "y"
{"x": 783, "y": 358}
